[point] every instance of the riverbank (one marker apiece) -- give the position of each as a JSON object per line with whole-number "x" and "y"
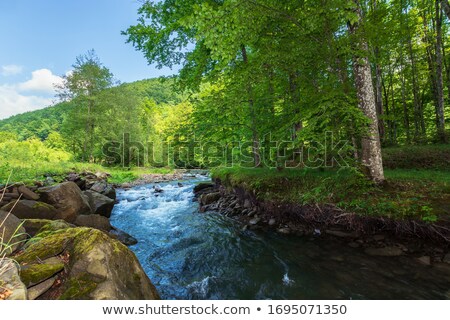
{"x": 408, "y": 216}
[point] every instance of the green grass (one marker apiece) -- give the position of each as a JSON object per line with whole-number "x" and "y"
{"x": 420, "y": 194}
{"x": 36, "y": 171}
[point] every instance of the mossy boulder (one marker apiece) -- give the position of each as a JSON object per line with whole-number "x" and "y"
{"x": 35, "y": 226}
{"x": 67, "y": 199}
{"x": 36, "y": 273}
{"x": 98, "y": 267}
{"x": 30, "y": 209}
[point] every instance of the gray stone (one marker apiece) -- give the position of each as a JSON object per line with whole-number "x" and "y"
{"x": 247, "y": 204}
{"x": 123, "y": 237}
{"x": 67, "y": 199}
{"x": 30, "y": 209}
{"x": 341, "y": 234}
{"x": 93, "y": 221}
{"x": 27, "y": 193}
{"x": 284, "y": 231}
{"x": 272, "y": 222}
{"x": 424, "y": 260}
{"x": 41, "y": 288}
{"x": 254, "y": 221}
{"x": 10, "y": 280}
{"x": 384, "y": 252}
{"x": 12, "y": 233}
{"x": 99, "y": 203}
{"x": 209, "y": 198}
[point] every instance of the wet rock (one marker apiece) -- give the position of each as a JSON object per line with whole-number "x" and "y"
{"x": 99, "y": 203}
{"x": 272, "y": 222}
{"x": 30, "y": 209}
{"x": 284, "y": 231}
{"x": 158, "y": 189}
{"x": 384, "y": 252}
{"x": 424, "y": 260}
{"x": 209, "y": 198}
{"x": 11, "y": 232}
{"x": 93, "y": 221}
{"x": 341, "y": 234}
{"x": 67, "y": 199}
{"x": 11, "y": 285}
{"x": 41, "y": 288}
{"x": 123, "y": 237}
{"x": 27, "y": 193}
{"x": 202, "y": 186}
{"x": 180, "y": 185}
{"x": 254, "y": 221}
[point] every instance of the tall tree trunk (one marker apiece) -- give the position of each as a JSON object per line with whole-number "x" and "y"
{"x": 254, "y": 123}
{"x": 379, "y": 99}
{"x": 440, "y": 118}
{"x": 446, "y": 7}
{"x": 371, "y": 147}
{"x": 295, "y": 100}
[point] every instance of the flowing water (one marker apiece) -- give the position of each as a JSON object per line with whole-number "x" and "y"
{"x": 189, "y": 255}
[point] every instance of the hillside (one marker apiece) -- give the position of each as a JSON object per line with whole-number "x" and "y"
{"x": 41, "y": 123}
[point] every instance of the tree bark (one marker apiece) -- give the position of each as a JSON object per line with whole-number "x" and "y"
{"x": 254, "y": 124}
{"x": 371, "y": 147}
{"x": 440, "y": 118}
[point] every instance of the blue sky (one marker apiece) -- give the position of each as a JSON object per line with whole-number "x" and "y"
{"x": 41, "y": 39}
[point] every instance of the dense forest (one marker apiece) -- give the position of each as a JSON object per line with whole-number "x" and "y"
{"x": 273, "y": 84}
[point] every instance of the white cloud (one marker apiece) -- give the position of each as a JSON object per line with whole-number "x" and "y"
{"x": 36, "y": 93}
{"x": 10, "y": 70}
{"x": 12, "y": 102}
{"x": 42, "y": 80}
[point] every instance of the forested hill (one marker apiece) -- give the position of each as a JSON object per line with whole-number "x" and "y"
{"x": 41, "y": 123}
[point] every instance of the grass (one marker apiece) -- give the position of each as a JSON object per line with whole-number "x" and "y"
{"x": 421, "y": 194}
{"x": 35, "y": 171}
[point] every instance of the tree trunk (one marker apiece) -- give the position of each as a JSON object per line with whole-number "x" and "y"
{"x": 446, "y": 7}
{"x": 379, "y": 100}
{"x": 254, "y": 123}
{"x": 371, "y": 147}
{"x": 440, "y": 118}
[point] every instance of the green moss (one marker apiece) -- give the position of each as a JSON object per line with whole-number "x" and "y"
{"x": 36, "y": 273}
{"x": 79, "y": 288}
{"x": 47, "y": 244}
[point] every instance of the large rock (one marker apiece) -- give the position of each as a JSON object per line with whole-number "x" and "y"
{"x": 209, "y": 198}
{"x": 67, "y": 199}
{"x": 27, "y": 193}
{"x": 123, "y": 237}
{"x": 99, "y": 203}
{"x": 29, "y": 209}
{"x": 97, "y": 266}
{"x": 35, "y": 226}
{"x": 12, "y": 233}
{"x": 11, "y": 287}
{"x": 105, "y": 189}
{"x": 95, "y": 221}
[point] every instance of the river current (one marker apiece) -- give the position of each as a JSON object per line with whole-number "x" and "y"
{"x": 192, "y": 255}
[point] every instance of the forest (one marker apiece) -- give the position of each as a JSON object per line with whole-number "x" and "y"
{"x": 290, "y": 85}
{"x": 324, "y": 120}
